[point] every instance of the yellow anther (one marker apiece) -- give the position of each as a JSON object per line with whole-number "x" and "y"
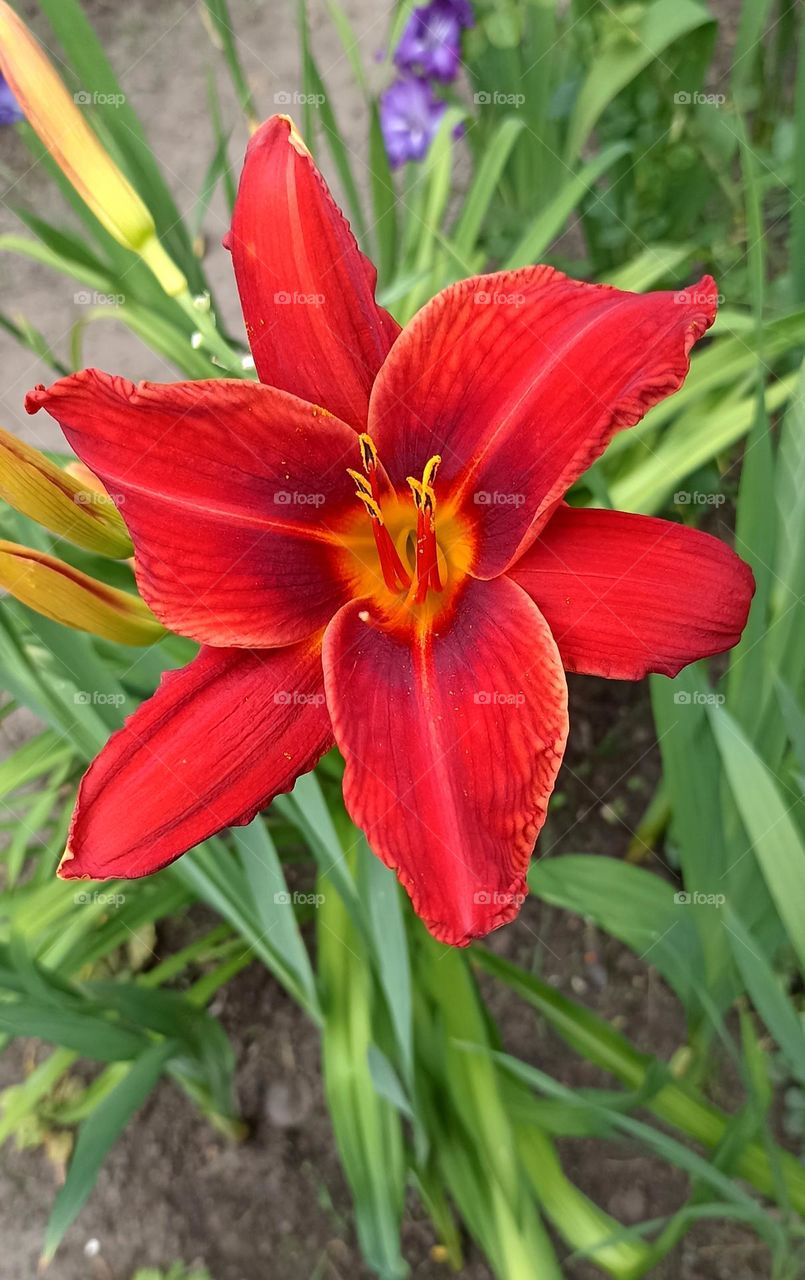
{"x": 431, "y": 467}
{"x": 416, "y": 489}
{"x": 360, "y": 480}
{"x": 371, "y": 506}
{"x": 368, "y": 451}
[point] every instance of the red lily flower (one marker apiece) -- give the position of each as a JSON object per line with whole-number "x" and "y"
{"x": 394, "y": 571}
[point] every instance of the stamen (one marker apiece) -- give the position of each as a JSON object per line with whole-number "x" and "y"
{"x": 392, "y": 568}
{"x": 368, "y": 451}
{"x": 435, "y": 579}
{"x": 431, "y": 467}
{"x": 369, "y": 460}
{"x": 360, "y": 480}
{"x": 395, "y": 578}
{"x": 416, "y": 489}
{"x": 371, "y": 506}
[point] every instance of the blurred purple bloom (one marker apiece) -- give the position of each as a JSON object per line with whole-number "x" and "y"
{"x": 9, "y": 110}
{"x": 409, "y": 117}
{"x": 431, "y": 42}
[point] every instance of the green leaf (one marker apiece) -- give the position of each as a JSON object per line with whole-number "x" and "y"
{"x": 685, "y": 447}
{"x": 768, "y": 996}
{"x": 307, "y": 810}
{"x": 785, "y": 648}
{"x": 212, "y": 872}
{"x": 585, "y": 1227}
{"x": 316, "y": 92}
{"x": 766, "y": 815}
{"x": 551, "y": 219}
{"x": 77, "y": 268}
{"x": 378, "y": 889}
{"x": 484, "y": 186}
{"x": 672, "y": 1103}
{"x": 350, "y": 43}
{"x": 692, "y": 773}
{"x": 98, "y": 1134}
{"x": 35, "y": 757}
{"x": 170, "y": 1014}
{"x": 631, "y": 904}
{"x": 661, "y": 25}
{"x": 273, "y": 903}
{"x": 654, "y": 263}
{"x": 668, "y": 1149}
{"x": 224, "y": 33}
{"x": 384, "y": 201}
{"x": 797, "y": 252}
{"x": 90, "y": 1035}
{"x": 367, "y": 1126}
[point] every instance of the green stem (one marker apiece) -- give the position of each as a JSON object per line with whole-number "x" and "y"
{"x": 212, "y": 341}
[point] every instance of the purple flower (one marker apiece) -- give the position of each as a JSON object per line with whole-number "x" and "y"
{"x": 409, "y": 117}
{"x": 431, "y": 42}
{"x": 9, "y": 110}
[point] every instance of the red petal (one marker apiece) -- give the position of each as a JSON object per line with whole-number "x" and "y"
{"x": 519, "y": 380}
{"x": 308, "y": 293}
{"x": 627, "y": 594}
{"x": 213, "y": 746}
{"x": 452, "y": 741}
{"x": 231, "y": 492}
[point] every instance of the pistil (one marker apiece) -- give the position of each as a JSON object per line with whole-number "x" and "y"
{"x": 427, "y": 551}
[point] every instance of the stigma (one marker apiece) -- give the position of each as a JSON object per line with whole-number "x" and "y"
{"x": 427, "y": 551}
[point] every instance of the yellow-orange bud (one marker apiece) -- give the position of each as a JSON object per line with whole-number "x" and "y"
{"x": 57, "y": 590}
{"x": 82, "y": 514}
{"x": 55, "y": 118}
